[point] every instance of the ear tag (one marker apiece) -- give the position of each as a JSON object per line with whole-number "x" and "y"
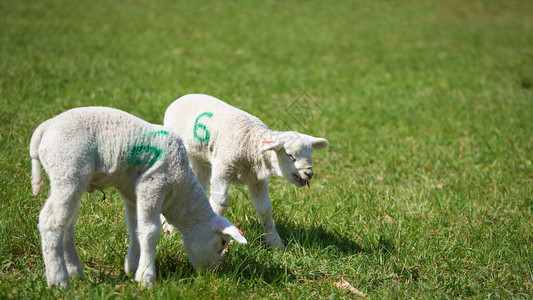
{"x": 271, "y": 145}
{"x": 268, "y": 142}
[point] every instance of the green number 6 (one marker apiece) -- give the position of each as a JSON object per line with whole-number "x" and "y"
{"x": 199, "y": 126}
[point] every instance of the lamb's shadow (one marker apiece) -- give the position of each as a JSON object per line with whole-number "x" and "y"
{"x": 317, "y": 235}
{"x": 263, "y": 267}
{"x": 174, "y": 265}
{"x": 236, "y": 263}
{"x": 251, "y": 268}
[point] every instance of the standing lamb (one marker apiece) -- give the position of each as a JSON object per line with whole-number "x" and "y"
{"x": 90, "y": 148}
{"x": 230, "y": 145}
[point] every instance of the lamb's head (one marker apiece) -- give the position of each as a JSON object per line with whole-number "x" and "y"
{"x": 293, "y": 155}
{"x": 207, "y": 242}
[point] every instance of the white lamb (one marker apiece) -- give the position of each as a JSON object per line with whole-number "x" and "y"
{"x": 90, "y": 148}
{"x": 230, "y": 145}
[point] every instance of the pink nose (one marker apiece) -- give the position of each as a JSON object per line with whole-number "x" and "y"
{"x": 308, "y": 173}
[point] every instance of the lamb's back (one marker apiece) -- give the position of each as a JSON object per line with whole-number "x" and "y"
{"x": 111, "y": 139}
{"x": 211, "y": 127}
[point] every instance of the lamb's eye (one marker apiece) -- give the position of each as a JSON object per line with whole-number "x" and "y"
{"x": 291, "y": 157}
{"x": 223, "y": 243}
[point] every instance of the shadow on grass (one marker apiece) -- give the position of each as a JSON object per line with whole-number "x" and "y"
{"x": 263, "y": 270}
{"x": 318, "y": 236}
{"x": 240, "y": 265}
{"x": 174, "y": 265}
{"x": 261, "y": 267}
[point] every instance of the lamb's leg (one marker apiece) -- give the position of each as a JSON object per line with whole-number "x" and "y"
{"x": 218, "y": 194}
{"x": 201, "y": 171}
{"x": 72, "y": 258}
{"x": 149, "y": 227}
{"x": 132, "y": 259}
{"x": 263, "y": 207}
{"x": 56, "y": 230}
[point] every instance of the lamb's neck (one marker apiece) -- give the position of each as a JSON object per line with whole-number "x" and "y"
{"x": 193, "y": 208}
{"x": 263, "y": 162}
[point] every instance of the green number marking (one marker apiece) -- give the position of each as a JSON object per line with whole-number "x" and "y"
{"x": 143, "y": 155}
{"x": 199, "y": 126}
{"x": 146, "y": 154}
{"x": 158, "y": 132}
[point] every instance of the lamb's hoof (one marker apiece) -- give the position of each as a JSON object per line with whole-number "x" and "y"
{"x": 130, "y": 269}
{"x": 75, "y": 271}
{"x": 276, "y": 246}
{"x": 279, "y": 247}
{"x": 62, "y": 284}
{"x": 145, "y": 281}
{"x": 147, "y": 284}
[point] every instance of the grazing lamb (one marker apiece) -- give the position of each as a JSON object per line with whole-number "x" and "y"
{"x": 230, "y": 145}
{"x": 90, "y": 148}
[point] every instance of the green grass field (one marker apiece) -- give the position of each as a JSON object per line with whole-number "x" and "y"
{"x": 426, "y": 190}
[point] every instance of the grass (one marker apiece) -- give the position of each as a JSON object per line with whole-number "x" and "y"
{"x": 425, "y": 191}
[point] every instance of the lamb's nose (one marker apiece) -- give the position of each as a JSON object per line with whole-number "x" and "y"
{"x": 308, "y": 173}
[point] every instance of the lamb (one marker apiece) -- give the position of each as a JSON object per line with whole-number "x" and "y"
{"x": 230, "y": 145}
{"x": 91, "y": 148}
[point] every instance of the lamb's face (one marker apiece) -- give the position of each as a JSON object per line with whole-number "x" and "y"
{"x": 295, "y": 162}
{"x": 293, "y": 152}
{"x": 209, "y": 241}
{"x": 206, "y": 252}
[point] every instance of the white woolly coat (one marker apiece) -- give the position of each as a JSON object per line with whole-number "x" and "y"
{"x": 96, "y": 147}
{"x": 216, "y": 132}
{"x": 226, "y": 144}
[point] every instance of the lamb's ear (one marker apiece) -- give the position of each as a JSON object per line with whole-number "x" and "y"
{"x": 270, "y": 145}
{"x": 222, "y": 225}
{"x": 319, "y": 143}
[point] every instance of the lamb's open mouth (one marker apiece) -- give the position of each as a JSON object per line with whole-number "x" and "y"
{"x": 300, "y": 180}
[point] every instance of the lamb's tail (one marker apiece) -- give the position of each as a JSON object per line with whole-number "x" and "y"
{"x": 37, "y": 182}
